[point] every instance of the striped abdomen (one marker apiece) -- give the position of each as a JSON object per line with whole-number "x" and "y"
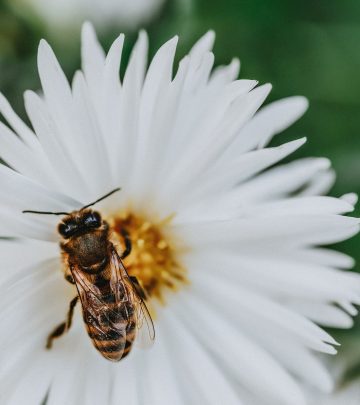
{"x": 110, "y": 322}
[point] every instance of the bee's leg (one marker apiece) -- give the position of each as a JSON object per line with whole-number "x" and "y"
{"x": 64, "y": 326}
{"x": 138, "y": 287}
{"x": 70, "y": 315}
{"x": 127, "y": 241}
{"x": 68, "y": 276}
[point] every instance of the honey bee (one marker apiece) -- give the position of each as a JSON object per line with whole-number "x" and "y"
{"x": 113, "y": 302}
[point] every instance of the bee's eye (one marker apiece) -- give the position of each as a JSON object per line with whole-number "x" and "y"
{"x": 67, "y": 229}
{"x": 92, "y": 220}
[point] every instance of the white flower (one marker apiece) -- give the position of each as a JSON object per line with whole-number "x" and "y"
{"x": 60, "y": 15}
{"x": 237, "y": 238}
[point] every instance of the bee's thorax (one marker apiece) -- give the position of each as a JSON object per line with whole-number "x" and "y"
{"x": 88, "y": 250}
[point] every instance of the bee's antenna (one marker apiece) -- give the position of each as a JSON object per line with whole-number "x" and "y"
{"x": 66, "y": 213}
{"x": 102, "y": 198}
{"x": 44, "y": 212}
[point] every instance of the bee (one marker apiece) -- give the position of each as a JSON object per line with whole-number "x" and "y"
{"x": 113, "y": 302}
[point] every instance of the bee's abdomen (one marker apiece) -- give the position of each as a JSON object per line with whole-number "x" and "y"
{"x": 113, "y": 332}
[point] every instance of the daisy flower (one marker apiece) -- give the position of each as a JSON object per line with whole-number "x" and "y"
{"x": 60, "y": 15}
{"x": 228, "y": 246}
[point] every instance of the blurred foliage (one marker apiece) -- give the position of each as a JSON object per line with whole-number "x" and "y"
{"x": 301, "y": 47}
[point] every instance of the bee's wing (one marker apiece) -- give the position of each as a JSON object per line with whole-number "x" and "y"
{"x": 106, "y": 321}
{"x": 145, "y": 327}
{"x": 145, "y": 335}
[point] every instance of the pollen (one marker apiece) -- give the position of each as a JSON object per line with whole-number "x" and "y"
{"x": 154, "y": 255}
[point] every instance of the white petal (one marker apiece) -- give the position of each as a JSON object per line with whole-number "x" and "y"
{"x": 320, "y": 184}
{"x": 275, "y": 118}
{"x": 63, "y": 121}
{"x": 160, "y": 383}
{"x": 64, "y": 388}
{"x": 224, "y": 206}
{"x": 203, "y": 45}
{"x": 156, "y": 82}
{"x": 98, "y": 378}
{"x": 283, "y": 180}
{"x": 262, "y": 309}
{"x": 126, "y": 385}
{"x": 24, "y": 160}
{"x": 305, "y": 205}
{"x": 220, "y": 114}
{"x": 38, "y": 300}
{"x": 95, "y": 158}
{"x": 225, "y": 177}
{"x": 323, "y": 314}
{"x": 325, "y": 257}
{"x": 270, "y": 326}
{"x": 66, "y": 169}
{"x": 225, "y": 74}
{"x": 21, "y": 253}
{"x": 33, "y": 382}
{"x": 288, "y": 230}
{"x": 278, "y": 277}
{"x": 93, "y": 61}
{"x": 18, "y": 125}
{"x": 252, "y": 366}
{"x": 243, "y": 109}
{"x": 349, "y": 394}
{"x": 210, "y": 384}
{"x": 24, "y": 194}
{"x": 350, "y": 198}
{"x": 109, "y": 113}
{"x": 129, "y": 112}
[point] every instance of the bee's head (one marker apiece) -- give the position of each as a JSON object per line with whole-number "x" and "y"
{"x": 79, "y": 222}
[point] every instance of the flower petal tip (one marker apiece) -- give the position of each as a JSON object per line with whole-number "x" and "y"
{"x": 350, "y": 198}
{"x": 301, "y": 141}
{"x": 43, "y": 46}
{"x": 87, "y": 28}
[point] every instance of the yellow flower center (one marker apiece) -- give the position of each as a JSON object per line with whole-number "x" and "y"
{"x": 152, "y": 260}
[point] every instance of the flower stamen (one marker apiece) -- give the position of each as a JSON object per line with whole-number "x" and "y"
{"x": 153, "y": 258}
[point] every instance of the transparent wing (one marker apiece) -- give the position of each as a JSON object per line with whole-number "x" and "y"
{"x": 145, "y": 334}
{"x": 145, "y": 327}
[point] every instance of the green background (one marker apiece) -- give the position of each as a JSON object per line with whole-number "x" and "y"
{"x": 301, "y": 47}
